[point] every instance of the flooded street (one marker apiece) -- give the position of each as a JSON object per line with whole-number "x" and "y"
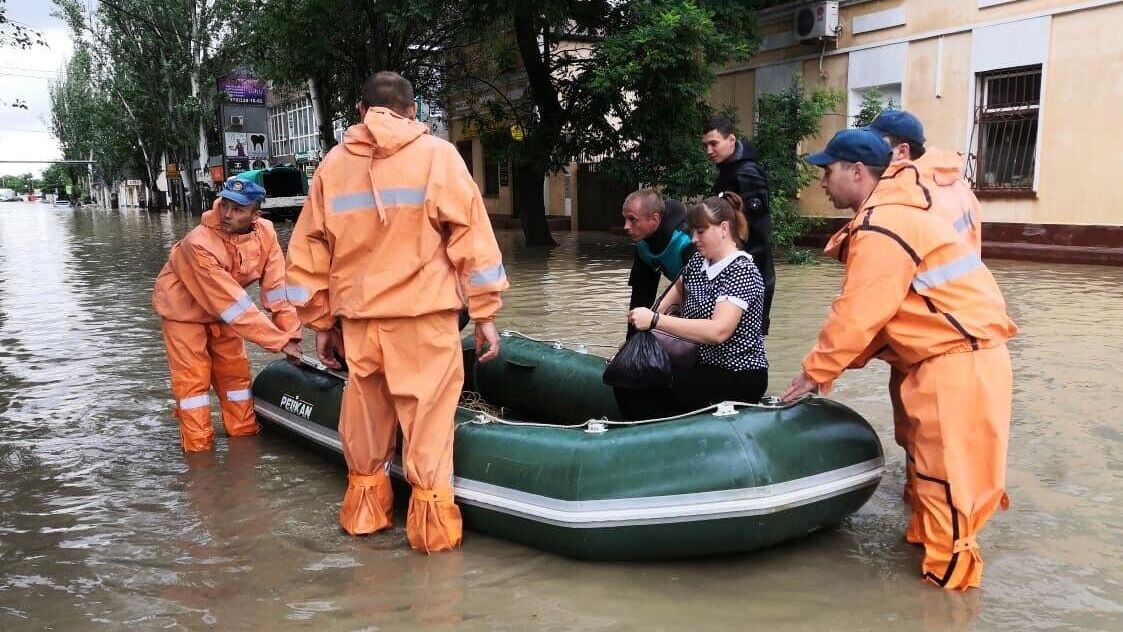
{"x": 105, "y": 524}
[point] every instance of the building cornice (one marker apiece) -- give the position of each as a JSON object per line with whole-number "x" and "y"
{"x": 784, "y": 12}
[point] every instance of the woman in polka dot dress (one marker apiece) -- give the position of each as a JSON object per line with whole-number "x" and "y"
{"x": 720, "y": 295}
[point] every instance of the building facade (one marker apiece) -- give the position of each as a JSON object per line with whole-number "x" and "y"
{"x": 1026, "y": 89}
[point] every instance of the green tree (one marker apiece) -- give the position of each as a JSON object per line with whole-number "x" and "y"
{"x": 160, "y": 62}
{"x": 19, "y": 184}
{"x": 54, "y": 178}
{"x": 873, "y": 103}
{"x": 654, "y": 73}
{"x": 353, "y": 40}
{"x": 623, "y": 80}
{"x": 784, "y": 120}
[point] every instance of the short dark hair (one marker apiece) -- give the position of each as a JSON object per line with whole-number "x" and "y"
{"x": 722, "y": 123}
{"x": 875, "y": 170}
{"x": 650, "y": 201}
{"x": 388, "y": 89}
{"x": 915, "y": 150}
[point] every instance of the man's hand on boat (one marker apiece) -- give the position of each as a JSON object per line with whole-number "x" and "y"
{"x": 800, "y": 386}
{"x": 293, "y": 351}
{"x": 486, "y": 332}
{"x": 329, "y": 348}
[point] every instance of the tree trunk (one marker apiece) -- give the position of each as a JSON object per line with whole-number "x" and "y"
{"x": 322, "y": 116}
{"x": 530, "y": 204}
{"x": 541, "y": 138}
{"x": 198, "y": 49}
{"x": 192, "y": 202}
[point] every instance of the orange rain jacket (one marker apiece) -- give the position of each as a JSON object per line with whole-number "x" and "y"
{"x": 952, "y": 197}
{"x": 371, "y": 240}
{"x": 206, "y": 274}
{"x": 911, "y": 279}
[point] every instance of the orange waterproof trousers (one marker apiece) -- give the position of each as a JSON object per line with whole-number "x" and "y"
{"x": 959, "y": 404}
{"x": 201, "y": 355}
{"x": 407, "y": 372}
{"x": 904, "y": 431}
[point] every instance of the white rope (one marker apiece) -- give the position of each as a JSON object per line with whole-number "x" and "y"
{"x": 484, "y": 417}
{"x": 513, "y": 332}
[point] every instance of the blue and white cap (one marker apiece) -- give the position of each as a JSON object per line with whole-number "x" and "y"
{"x": 243, "y": 192}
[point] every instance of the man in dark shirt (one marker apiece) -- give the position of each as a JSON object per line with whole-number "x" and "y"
{"x": 663, "y": 245}
{"x": 739, "y": 170}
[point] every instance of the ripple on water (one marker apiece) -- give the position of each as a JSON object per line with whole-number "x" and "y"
{"x": 103, "y": 520}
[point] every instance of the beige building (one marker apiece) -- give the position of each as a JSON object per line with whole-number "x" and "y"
{"x": 1026, "y": 88}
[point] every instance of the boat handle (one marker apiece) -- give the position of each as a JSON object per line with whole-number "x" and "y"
{"x": 521, "y": 365}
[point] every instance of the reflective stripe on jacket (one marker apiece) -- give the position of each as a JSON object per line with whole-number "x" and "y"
{"x": 910, "y": 278}
{"x": 206, "y": 274}
{"x": 952, "y": 197}
{"x": 394, "y": 226}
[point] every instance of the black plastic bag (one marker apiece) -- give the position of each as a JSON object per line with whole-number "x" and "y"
{"x": 641, "y": 363}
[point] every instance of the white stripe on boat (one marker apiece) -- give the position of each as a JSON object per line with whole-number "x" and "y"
{"x": 621, "y": 512}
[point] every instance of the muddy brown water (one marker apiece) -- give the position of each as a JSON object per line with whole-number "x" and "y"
{"x": 104, "y": 524}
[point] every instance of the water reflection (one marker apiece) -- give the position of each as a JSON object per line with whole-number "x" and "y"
{"x": 104, "y": 523}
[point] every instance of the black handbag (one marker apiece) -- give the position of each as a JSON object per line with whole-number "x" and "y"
{"x": 682, "y": 353}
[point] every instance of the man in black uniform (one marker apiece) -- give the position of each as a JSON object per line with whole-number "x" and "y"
{"x": 663, "y": 244}
{"x": 739, "y": 170}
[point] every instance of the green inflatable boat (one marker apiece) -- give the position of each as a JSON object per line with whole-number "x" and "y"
{"x": 548, "y": 463}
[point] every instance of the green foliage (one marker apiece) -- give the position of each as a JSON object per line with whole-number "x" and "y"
{"x": 620, "y": 83}
{"x": 340, "y": 43}
{"x": 150, "y": 73}
{"x": 653, "y": 75}
{"x": 783, "y": 121}
{"x": 801, "y": 257}
{"x": 873, "y": 103}
{"x": 54, "y": 178}
{"x": 19, "y": 184}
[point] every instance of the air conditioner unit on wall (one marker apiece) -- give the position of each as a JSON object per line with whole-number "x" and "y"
{"x": 817, "y": 21}
{"x": 237, "y": 121}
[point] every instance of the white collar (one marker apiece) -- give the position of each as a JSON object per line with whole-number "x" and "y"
{"x": 712, "y": 270}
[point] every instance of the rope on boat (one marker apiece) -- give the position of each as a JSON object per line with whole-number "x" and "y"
{"x": 600, "y": 425}
{"x": 557, "y": 342}
{"x": 487, "y": 413}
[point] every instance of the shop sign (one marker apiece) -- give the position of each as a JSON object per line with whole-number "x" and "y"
{"x": 245, "y": 89}
{"x": 245, "y": 145}
{"x": 173, "y": 171}
{"x": 234, "y": 167}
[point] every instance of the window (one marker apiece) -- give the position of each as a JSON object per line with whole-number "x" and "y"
{"x": 1007, "y": 108}
{"x": 294, "y": 128}
{"x": 465, "y": 149}
{"x": 887, "y": 96}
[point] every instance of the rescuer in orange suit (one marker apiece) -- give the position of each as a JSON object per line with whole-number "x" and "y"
{"x": 392, "y": 241}
{"x": 952, "y": 199}
{"x": 913, "y": 283}
{"x": 201, "y": 298}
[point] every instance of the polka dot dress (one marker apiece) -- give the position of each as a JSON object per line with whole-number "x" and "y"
{"x": 734, "y": 279}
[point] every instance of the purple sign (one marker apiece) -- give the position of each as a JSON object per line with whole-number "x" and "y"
{"x": 244, "y": 89}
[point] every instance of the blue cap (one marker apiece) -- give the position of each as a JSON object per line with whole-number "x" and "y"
{"x": 243, "y": 192}
{"x": 854, "y": 145}
{"x": 899, "y": 123}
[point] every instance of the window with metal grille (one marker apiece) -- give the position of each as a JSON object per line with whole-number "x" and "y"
{"x": 1007, "y": 109}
